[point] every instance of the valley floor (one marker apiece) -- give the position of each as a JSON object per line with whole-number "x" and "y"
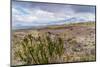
{"x": 78, "y": 43}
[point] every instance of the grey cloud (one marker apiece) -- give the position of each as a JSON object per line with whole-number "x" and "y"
{"x": 84, "y": 8}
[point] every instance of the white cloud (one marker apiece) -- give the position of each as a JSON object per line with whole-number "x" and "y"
{"x": 36, "y": 16}
{"x": 45, "y": 16}
{"x": 25, "y": 18}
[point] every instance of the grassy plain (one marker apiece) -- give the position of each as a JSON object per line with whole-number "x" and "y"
{"x": 54, "y": 44}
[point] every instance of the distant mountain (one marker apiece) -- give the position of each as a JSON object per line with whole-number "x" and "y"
{"x": 74, "y": 19}
{"x": 60, "y": 22}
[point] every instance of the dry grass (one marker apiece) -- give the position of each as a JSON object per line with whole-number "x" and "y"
{"x": 71, "y": 44}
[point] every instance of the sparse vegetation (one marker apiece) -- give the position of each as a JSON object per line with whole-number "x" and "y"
{"x": 40, "y": 50}
{"x": 56, "y": 44}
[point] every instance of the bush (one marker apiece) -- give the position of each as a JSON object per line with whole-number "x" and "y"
{"x": 40, "y": 50}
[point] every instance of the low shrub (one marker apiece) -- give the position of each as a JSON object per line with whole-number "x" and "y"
{"x": 40, "y": 50}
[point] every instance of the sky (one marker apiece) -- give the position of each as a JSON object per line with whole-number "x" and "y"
{"x": 41, "y": 14}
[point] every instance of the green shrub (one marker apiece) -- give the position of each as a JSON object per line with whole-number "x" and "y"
{"x": 40, "y": 50}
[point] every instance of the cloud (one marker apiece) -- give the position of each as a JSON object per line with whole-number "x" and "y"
{"x": 36, "y": 14}
{"x": 83, "y": 8}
